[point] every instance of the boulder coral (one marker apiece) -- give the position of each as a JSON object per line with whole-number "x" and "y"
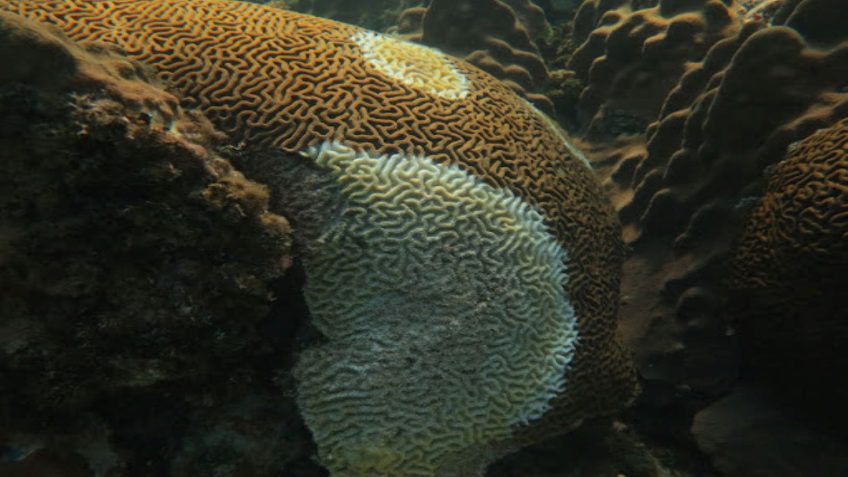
{"x": 760, "y": 10}
{"x": 634, "y": 56}
{"x": 480, "y": 256}
{"x": 372, "y": 14}
{"x": 788, "y": 267}
{"x": 685, "y": 189}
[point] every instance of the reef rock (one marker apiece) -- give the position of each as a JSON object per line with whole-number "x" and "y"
{"x": 136, "y": 261}
{"x": 748, "y": 433}
{"x": 461, "y": 262}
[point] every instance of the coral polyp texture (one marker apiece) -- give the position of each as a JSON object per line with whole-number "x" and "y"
{"x": 791, "y": 259}
{"x": 685, "y": 188}
{"x": 634, "y": 56}
{"x": 395, "y": 287}
{"x": 375, "y": 15}
{"x": 413, "y": 65}
{"x": 483, "y": 260}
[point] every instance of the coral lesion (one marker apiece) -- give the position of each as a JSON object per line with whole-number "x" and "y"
{"x": 417, "y": 66}
{"x": 416, "y": 315}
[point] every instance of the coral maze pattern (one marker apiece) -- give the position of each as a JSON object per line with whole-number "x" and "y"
{"x": 804, "y": 211}
{"x": 414, "y": 65}
{"x": 276, "y": 79}
{"x": 425, "y": 264}
{"x": 792, "y": 257}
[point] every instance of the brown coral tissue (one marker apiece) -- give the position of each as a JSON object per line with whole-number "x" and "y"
{"x": 788, "y": 273}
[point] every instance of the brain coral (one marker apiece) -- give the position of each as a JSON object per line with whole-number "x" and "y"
{"x": 372, "y": 14}
{"x": 480, "y": 252}
{"x": 788, "y": 270}
{"x": 425, "y": 296}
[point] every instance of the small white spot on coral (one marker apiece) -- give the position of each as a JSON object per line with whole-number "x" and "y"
{"x": 414, "y": 65}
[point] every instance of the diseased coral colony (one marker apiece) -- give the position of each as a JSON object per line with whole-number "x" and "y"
{"x": 244, "y": 241}
{"x": 465, "y": 287}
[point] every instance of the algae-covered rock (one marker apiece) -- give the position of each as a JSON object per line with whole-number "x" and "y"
{"x": 135, "y": 263}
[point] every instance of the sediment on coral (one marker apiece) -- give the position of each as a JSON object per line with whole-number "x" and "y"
{"x": 137, "y": 268}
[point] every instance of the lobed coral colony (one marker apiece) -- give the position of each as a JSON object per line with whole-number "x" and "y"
{"x": 465, "y": 281}
{"x": 717, "y": 126}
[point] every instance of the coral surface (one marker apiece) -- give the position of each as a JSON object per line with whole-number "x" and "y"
{"x": 415, "y": 337}
{"x": 377, "y": 15}
{"x": 760, "y": 10}
{"x": 788, "y": 267}
{"x": 284, "y": 83}
{"x": 728, "y": 118}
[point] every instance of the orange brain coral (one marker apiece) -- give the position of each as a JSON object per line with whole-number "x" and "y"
{"x": 273, "y": 78}
{"x": 279, "y": 80}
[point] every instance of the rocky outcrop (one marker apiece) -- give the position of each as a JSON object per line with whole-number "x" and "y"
{"x": 136, "y": 265}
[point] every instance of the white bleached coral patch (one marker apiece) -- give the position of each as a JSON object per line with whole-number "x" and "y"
{"x": 444, "y": 307}
{"x": 414, "y": 65}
